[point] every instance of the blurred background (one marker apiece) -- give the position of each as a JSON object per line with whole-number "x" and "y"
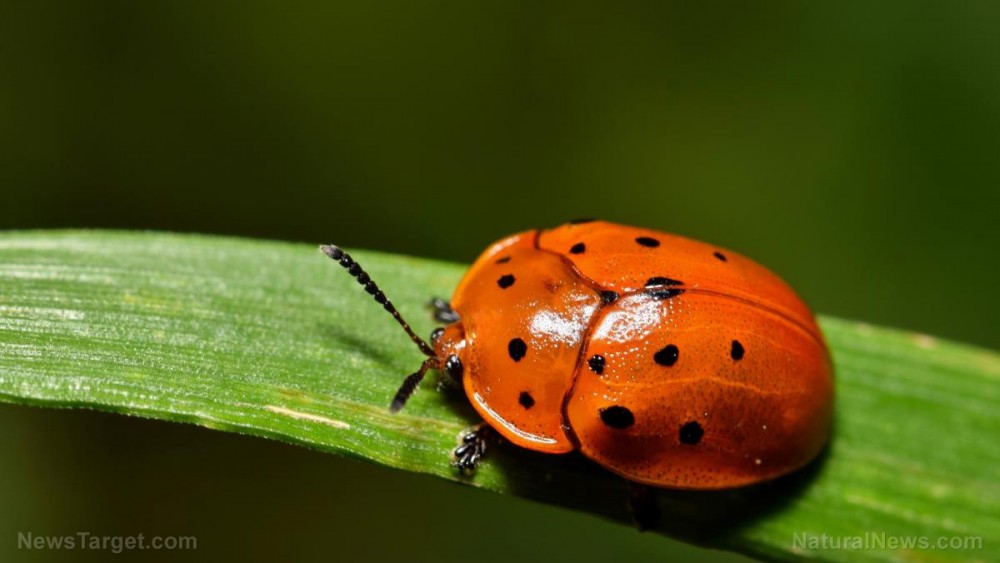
{"x": 852, "y": 148}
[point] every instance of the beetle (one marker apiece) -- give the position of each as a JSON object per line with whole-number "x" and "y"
{"x": 671, "y": 362}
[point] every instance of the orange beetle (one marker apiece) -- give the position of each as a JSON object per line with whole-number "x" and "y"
{"x": 671, "y": 362}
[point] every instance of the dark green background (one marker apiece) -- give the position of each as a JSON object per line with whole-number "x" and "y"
{"x": 852, "y": 148}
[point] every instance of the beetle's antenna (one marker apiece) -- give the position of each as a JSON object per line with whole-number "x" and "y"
{"x": 353, "y": 268}
{"x": 410, "y": 385}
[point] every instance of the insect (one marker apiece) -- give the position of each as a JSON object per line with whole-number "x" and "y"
{"x": 671, "y": 362}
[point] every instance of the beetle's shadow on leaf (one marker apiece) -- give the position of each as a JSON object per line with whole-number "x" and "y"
{"x": 708, "y": 516}
{"x": 454, "y": 396}
{"x": 347, "y": 340}
{"x": 702, "y": 517}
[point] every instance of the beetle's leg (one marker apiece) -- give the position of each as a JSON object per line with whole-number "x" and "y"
{"x": 473, "y": 448}
{"x": 443, "y": 313}
{"x": 644, "y": 507}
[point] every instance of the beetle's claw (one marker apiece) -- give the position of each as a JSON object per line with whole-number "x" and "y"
{"x": 443, "y": 313}
{"x": 644, "y": 507}
{"x": 472, "y": 450}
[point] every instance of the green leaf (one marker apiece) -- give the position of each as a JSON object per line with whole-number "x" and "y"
{"x": 274, "y": 340}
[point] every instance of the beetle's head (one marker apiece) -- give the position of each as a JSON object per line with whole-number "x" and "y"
{"x": 448, "y": 343}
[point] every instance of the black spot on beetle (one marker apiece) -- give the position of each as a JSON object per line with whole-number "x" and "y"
{"x": 662, "y": 294}
{"x": 526, "y": 400}
{"x": 661, "y": 281}
{"x": 737, "y": 351}
{"x": 719, "y": 255}
{"x": 691, "y": 433}
{"x": 582, "y": 221}
{"x": 667, "y": 356}
{"x": 648, "y": 242}
{"x": 596, "y": 363}
{"x": 505, "y": 281}
{"x": 617, "y": 417}
{"x": 503, "y": 260}
{"x": 608, "y": 297}
{"x": 578, "y": 248}
{"x": 517, "y": 349}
